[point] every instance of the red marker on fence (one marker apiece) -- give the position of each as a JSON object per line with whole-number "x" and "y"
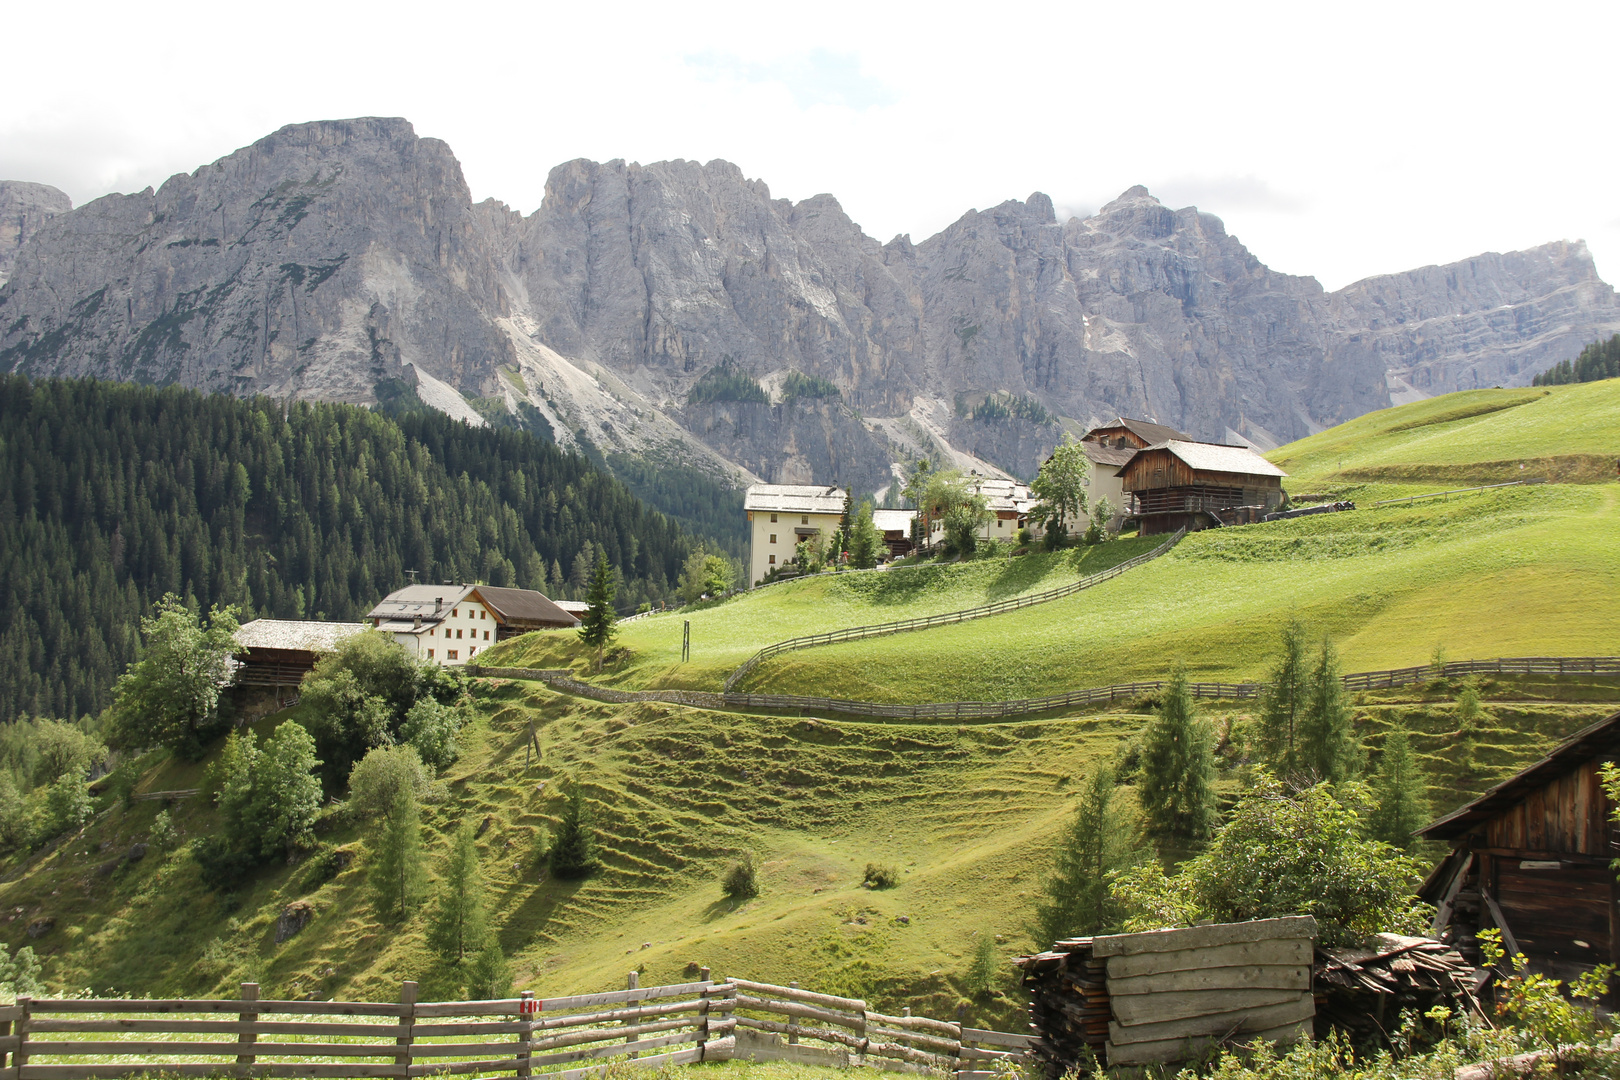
{"x": 529, "y": 1006}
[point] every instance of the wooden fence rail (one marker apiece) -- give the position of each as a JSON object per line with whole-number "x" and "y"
{"x": 855, "y": 633}
{"x": 565, "y": 1038}
{"x": 1601, "y": 666}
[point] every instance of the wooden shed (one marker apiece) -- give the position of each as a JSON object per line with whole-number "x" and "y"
{"x": 1532, "y": 856}
{"x": 280, "y": 652}
{"x": 1179, "y": 484}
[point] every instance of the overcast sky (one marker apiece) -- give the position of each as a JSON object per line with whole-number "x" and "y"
{"x": 1337, "y": 140}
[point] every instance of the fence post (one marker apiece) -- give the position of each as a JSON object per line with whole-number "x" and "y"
{"x": 633, "y": 983}
{"x": 703, "y": 1011}
{"x": 19, "y": 1056}
{"x": 246, "y": 1039}
{"x": 525, "y": 1031}
{"x": 407, "y": 1024}
{"x": 793, "y": 1029}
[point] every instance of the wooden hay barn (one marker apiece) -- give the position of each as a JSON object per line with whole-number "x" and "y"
{"x": 280, "y": 652}
{"x": 1531, "y": 856}
{"x": 1180, "y": 485}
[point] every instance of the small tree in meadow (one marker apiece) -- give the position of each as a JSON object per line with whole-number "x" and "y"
{"x": 1400, "y": 793}
{"x": 387, "y": 786}
{"x": 573, "y": 851}
{"x": 864, "y": 542}
{"x": 1326, "y": 739}
{"x": 599, "y": 625}
{"x": 1061, "y": 488}
{"x": 1178, "y": 767}
{"x": 1074, "y": 899}
{"x": 460, "y": 924}
{"x": 1283, "y": 704}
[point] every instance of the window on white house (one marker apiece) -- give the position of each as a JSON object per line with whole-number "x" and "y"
{"x": 453, "y": 654}
{"x": 430, "y": 654}
{"x": 773, "y": 560}
{"x": 486, "y": 635}
{"x": 773, "y": 519}
{"x": 773, "y": 538}
{"x": 804, "y": 519}
{"x": 472, "y": 652}
{"x": 454, "y": 611}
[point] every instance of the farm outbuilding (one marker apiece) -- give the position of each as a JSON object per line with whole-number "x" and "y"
{"x": 1181, "y": 485}
{"x": 280, "y": 652}
{"x": 1531, "y": 856}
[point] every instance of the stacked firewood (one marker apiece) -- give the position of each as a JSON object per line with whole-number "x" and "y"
{"x": 1363, "y": 991}
{"x": 1069, "y": 1008}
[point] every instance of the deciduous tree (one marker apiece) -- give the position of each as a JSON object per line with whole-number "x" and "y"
{"x": 460, "y": 924}
{"x": 169, "y": 696}
{"x": 1061, "y": 487}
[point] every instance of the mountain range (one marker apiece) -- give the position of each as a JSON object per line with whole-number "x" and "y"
{"x": 346, "y": 260}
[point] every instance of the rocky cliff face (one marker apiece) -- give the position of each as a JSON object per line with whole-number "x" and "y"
{"x": 332, "y": 258}
{"x": 24, "y": 208}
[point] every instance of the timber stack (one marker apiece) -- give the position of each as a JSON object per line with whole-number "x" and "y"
{"x": 1169, "y": 995}
{"x": 1068, "y": 1007}
{"x": 1363, "y": 990}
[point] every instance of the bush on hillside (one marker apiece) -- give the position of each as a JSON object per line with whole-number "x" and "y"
{"x": 741, "y": 880}
{"x": 1284, "y": 853}
{"x": 880, "y": 876}
{"x": 360, "y": 697}
{"x": 170, "y": 696}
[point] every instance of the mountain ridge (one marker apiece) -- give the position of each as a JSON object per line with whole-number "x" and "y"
{"x": 332, "y": 258}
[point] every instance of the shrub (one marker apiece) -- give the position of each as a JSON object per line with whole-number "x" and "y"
{"x": 879, "y": 876}
{"x": 322, "y": 867}
{"x": 67, "y": 804}
{"x": 983, "y": 968}
{"x": 741, "y": 881}
{"x": 431, "y": 728}
{"x": 164, "y": 836}
{"x": 360, "y": 696}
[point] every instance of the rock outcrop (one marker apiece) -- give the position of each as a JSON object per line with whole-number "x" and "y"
{"x": 24, "y": 208}
{"x": 345, "y": 259}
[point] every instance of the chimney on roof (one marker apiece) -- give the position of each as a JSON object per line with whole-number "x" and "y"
{"x": 416, "y": 621}
{"x": 438, "y": 604}
{"x": 447, "y": 582}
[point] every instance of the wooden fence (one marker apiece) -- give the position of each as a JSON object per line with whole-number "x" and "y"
{"x": 527, "y": 1037}
{"x": 1000, "y": 607}
{"x": 1601, "y": 666}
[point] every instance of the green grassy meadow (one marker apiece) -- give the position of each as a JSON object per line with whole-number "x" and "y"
{"x": 1518, "y": 572}
{"x": 1561, "y": 433}
{"x": 727, "y": 633}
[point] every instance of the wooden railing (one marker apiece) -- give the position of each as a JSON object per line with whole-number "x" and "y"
{"x": 526, "y": 1037}
{"x": 1601, "y": 666}
{"x": 855, "y": 633}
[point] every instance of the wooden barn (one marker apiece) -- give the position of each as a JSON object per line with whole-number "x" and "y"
{"x": 1179, "y": 484}
{"x": 1531, "y": 856}
{"x": 1125, "y": 433}
{"x": 280, "y": 652}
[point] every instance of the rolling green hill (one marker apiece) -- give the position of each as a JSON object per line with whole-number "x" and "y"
{"x": 966, "y": 814}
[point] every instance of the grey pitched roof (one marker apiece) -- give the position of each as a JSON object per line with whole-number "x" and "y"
{"x": 1215, "y": 457}
{"x": 291, "y": 634}
{"x": 795, "y": 498}
{"x": 1108, "y": 456}
{"x": 431, "y": 602}
{"x": 523, "y": 606}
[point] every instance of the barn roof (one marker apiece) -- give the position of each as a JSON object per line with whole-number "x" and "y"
{"x": 523, "y": 605}
{"x": 431, "y": 602}
{"x": 1109, "y": 456}
{"x": 1146, "y": 430}
{"x": 795, "y": 498}
{"x": 893, "y": 520}
{"x": 292, "y": 634}
{"x": 1214, "y": 457}
{"x": 1601, "y": 739}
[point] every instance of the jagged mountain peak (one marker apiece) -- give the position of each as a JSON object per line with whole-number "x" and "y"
{"x": 338, "y": 258}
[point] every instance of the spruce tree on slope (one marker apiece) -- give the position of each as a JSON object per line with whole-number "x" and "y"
{"x": 1076, "y": 899}
{"x": 1178, "y": 767}
{"x": 1327, "y": 741}
{"x": 573, "y": 852}
{"x": 1283, "y": 704}
{"x": 1400, "y": 792}
{"x": 599, "y": 625}
{"x": 460, "y": 926}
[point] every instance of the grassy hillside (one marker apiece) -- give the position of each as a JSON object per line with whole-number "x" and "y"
{"x": 726, "y": 634}
{"x": 965, "y": 813}
{"x": 1562, "y": 434}
{"x": 1523, "y": 571}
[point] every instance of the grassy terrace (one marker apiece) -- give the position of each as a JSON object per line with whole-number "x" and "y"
{"x": 726, "y": 634}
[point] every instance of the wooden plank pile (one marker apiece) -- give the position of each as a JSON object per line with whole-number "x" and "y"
{"x": 1068, "y": 1008}
{"x": 1362, "y": 991}
{"x": 1167, "y": 995}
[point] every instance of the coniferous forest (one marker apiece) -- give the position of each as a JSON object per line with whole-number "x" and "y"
{"x": 112, "y": 495}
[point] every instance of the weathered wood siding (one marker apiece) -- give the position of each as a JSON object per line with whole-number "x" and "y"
{"x": 1173, "y": 992}
{"x": 1153, "y": 470}
{"x": 1570, "y": 814}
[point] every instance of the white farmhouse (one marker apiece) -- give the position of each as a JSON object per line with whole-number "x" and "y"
{"x": 780, "y": 515}
{"x": 450, "y": 625}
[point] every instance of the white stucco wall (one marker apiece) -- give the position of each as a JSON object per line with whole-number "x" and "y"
{"x": 771, "y": 543}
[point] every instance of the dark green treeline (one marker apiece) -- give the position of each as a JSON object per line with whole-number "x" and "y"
{"x": 112, "y": 495}
{"x": 1599, "y": 360}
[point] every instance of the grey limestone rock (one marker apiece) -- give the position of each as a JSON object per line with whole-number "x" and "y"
{"x": 331, "y": 259}
{"x": 24, "y": 208}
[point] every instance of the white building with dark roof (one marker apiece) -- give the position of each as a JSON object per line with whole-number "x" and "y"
{"x": 781, "y": 515}
{"x": 450, "y": 624}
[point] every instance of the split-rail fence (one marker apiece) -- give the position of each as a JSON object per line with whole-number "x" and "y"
{"x": 1601, "y": 666}
{"x": 567, "y": 1038}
